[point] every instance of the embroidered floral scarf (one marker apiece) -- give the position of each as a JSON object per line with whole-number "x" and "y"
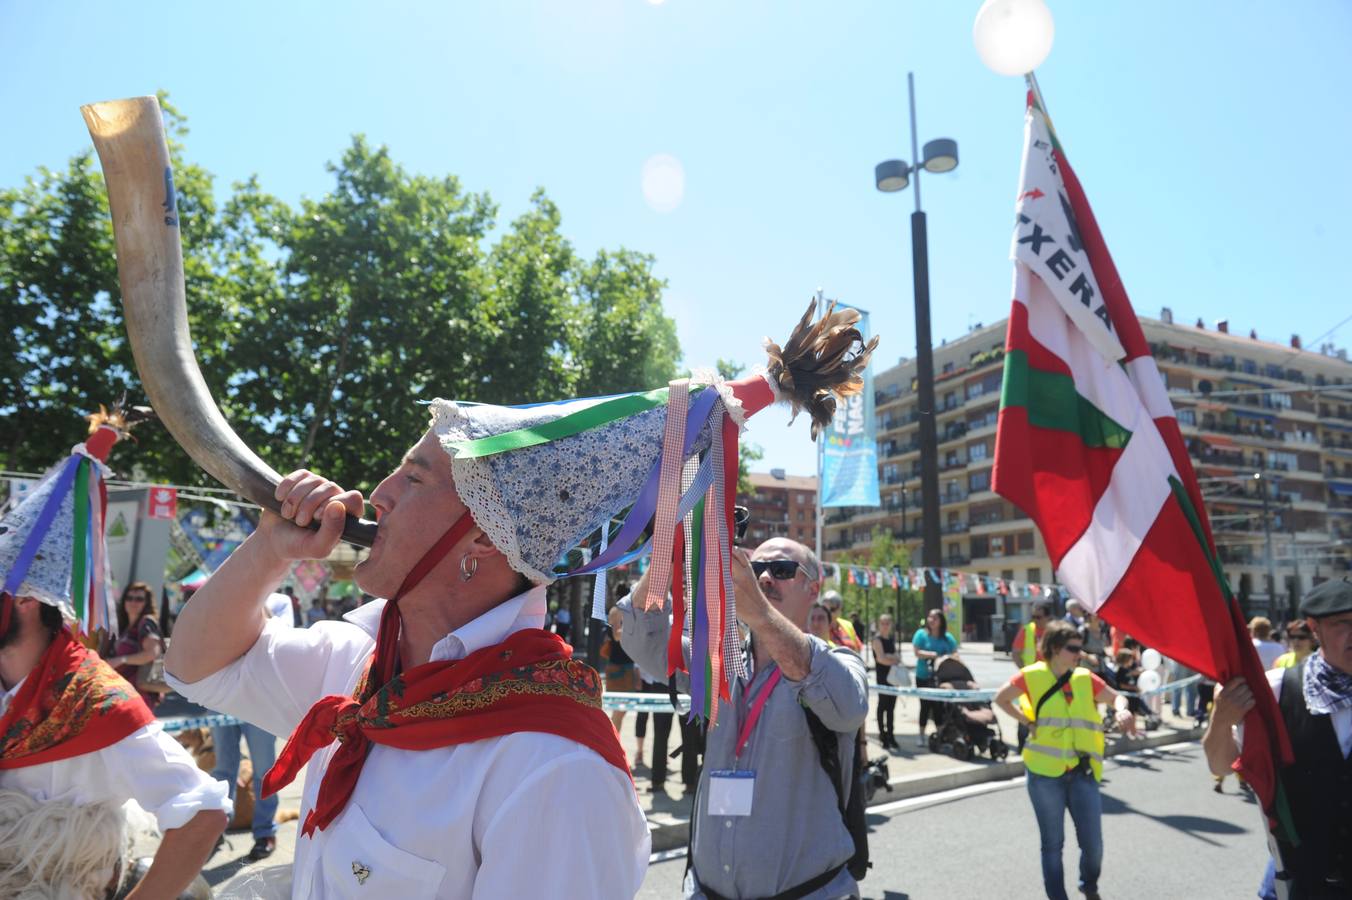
{"x": 526, "y": 683}
{"x": 71, "y": 704}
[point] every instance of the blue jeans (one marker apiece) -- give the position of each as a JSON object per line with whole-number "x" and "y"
{"x": 262, "y": 753}
{"x": 1078, "y": 792}
{"x": 1190, "y": 692}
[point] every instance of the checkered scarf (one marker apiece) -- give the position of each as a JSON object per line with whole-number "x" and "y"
{"x": 1326, "y": 689}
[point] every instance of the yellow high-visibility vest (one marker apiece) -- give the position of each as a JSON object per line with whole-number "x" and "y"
{"x": 1287, "y": 660}
{"x": 1028, "y": 655}
{"x": 1065, "y": 731}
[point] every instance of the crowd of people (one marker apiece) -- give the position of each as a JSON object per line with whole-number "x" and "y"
{"x": 444, "y": 729}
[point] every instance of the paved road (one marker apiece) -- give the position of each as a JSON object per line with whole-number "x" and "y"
{"x": 1166, "y": 835}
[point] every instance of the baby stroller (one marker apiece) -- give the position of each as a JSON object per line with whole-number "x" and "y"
{"x": 964, "y": 729}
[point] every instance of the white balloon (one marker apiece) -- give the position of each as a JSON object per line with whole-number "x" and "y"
{"x": 1149, "y": 680}
{"x": 1151, "y": 659}
{"x": 1013, "y": 37}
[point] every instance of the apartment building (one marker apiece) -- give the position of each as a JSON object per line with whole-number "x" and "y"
{"x": 781, "y": 505}
{"x": 1246, "y": 407}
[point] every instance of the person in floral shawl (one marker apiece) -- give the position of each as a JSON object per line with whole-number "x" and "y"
{"x": 76, "y": 741}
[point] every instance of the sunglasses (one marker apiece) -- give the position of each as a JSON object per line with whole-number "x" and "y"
{"x": 779, "y": 569}
{"x": 1075, "y": 648}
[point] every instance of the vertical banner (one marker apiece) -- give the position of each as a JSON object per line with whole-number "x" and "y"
{"x": 953, "y": 608}
{"x": 849, "y": 446}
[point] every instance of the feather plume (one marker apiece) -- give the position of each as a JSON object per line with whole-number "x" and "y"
{"x": 822, "y": 360}
{"x": 121, "y": 417}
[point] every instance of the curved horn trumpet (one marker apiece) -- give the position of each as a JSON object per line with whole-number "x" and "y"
{"x": 129, "y": 137}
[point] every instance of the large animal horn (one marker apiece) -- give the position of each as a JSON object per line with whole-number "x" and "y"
{"x": 129, "y": 137}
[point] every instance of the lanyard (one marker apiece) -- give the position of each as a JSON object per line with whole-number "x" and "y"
{"x": 756, "y": 707}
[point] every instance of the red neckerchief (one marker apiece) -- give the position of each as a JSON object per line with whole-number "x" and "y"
{"x": 526, "y": 683}
{"x": 71, "y": 704}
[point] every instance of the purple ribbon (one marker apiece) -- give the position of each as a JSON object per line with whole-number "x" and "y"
{"x": 646, "y": 503}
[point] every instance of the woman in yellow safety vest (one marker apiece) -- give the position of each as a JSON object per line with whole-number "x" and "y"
{"x": 1058, "y": 701}
{"x": 1300, "y": 640}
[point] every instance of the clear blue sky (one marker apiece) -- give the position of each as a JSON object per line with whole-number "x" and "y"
{"x": 1212, "y": 139}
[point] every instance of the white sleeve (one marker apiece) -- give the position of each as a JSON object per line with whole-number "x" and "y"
{"x": 1274, "y": 680}
{"x": 578, "y": 815}
{"x": 153, "y": 769}
{"x": 283, "y": 674}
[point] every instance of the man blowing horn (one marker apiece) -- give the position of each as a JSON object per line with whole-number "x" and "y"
{"x": 450, "y": 737}
{"x": 455, "y": 748}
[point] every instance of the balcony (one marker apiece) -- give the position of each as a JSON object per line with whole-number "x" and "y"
{"x": 953, "y": 432}
{"x": 952, "y": 496}
{"x": 955, "y": 528}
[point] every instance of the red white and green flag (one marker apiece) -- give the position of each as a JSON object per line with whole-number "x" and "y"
{"x": 1089, "y": 447}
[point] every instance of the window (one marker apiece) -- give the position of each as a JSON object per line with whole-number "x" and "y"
{"x": 976, "y": 389}
{"x": 977, "y": 451}
{"x": 1035, "y": 575}
{"x": 1025, "y": 541}
{"x": 948, "y": 367}
{"x": 1187, "y": 417}
{"x": 980, "y": 546}
{"x": 802, "y": 498}
{"x": 980, "y": 481}
{"x": 997, "y": 545}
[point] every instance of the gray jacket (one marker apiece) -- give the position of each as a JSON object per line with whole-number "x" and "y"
{"x": 794, "y": 832}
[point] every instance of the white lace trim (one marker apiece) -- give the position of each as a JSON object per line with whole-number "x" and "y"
{"x": 474, "y": 482}
{"x": 774, "y": 386}
{"x": 730, "y": 401}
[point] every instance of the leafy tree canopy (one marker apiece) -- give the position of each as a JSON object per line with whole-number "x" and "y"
{"x": 318, "y": 326}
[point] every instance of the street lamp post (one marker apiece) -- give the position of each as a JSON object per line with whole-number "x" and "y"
{"x": 891, "y": 175}
{"x": 1267, "y": 540}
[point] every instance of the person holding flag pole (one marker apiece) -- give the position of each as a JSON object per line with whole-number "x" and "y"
{"x": 1087, "y": 443}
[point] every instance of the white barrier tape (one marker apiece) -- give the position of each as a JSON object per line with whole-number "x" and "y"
{"x": 623, "y": 701}
{"x": 174, "y": 724}
{"x": 947, "y": 695}
{"x": 612, "y": 702}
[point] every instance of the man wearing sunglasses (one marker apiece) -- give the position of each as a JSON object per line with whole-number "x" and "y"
{"x": 767, "y": 819}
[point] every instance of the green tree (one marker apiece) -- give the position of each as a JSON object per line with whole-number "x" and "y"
{"x": 60, "y": 302}
{"x": 318, "y": 327}
{"x": 885, "y": 552}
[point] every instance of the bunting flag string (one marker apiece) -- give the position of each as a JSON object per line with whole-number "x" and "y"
{"x": 914, "y": 578}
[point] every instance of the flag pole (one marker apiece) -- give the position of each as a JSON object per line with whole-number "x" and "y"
{"x": 1031, "y": 79}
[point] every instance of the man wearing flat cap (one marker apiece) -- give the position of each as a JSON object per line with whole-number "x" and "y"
{"x": 1315, "y": 698}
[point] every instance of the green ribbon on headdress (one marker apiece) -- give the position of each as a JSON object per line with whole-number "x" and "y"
{"x": 593, "y": 416}
{"x": 79, "y": 576}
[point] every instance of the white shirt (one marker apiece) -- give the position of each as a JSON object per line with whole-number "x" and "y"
{"x": 147, "y": 766}
{"x": 279, "y": 608}
{"x": 1268, "y": 651}
{"x": 522, "y": 815}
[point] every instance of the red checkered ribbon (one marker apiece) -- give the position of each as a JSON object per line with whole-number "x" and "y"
{"x": 668, "y": 493}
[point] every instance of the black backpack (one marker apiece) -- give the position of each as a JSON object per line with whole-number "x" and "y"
{"x": 851, "y": 807}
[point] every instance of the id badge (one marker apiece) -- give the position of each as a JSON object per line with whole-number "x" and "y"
{"x": 730, "y": 792}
